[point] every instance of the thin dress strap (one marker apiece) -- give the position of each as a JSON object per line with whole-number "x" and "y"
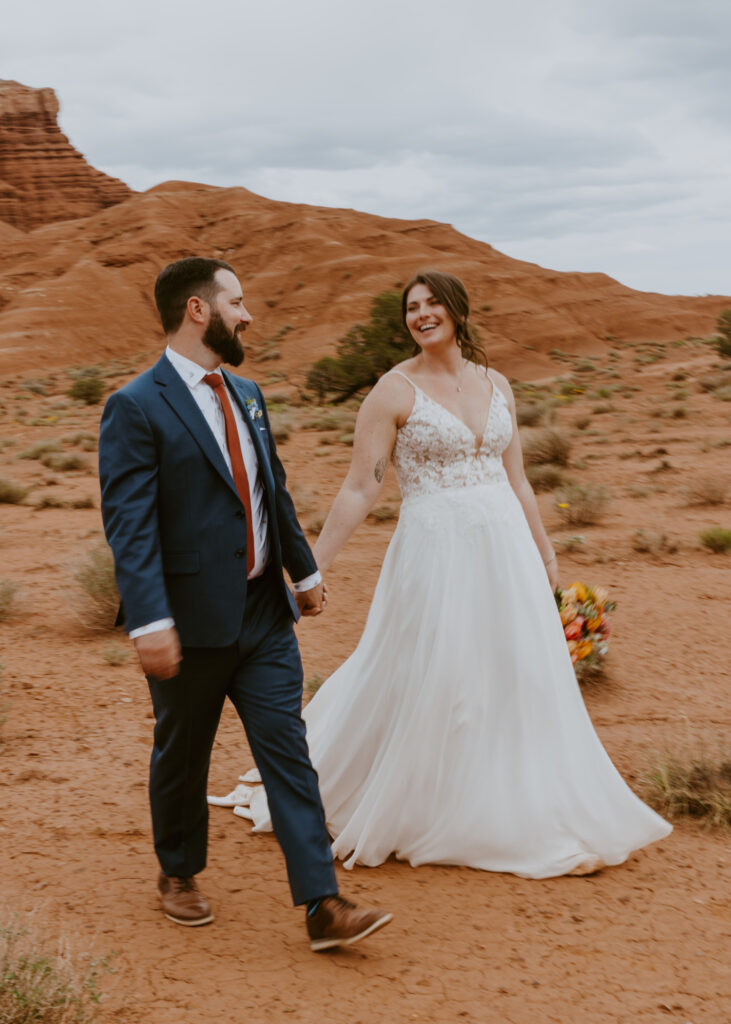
{"x": 402, "y": 374}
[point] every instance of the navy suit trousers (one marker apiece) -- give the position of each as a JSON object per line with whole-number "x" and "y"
{"x": 262, "y": 676}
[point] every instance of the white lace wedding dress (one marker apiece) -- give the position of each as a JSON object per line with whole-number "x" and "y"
{"x": 456, "y": 732}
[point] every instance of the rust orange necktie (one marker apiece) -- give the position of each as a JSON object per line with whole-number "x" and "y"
{"x": 215, "y": 381}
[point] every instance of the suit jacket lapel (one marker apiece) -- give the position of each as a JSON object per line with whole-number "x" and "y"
{"x": 257, "y": 427}
{"x": 176, "y": 394}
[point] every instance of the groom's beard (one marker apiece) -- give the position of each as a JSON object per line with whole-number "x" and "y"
{"x": 226, "y": 344}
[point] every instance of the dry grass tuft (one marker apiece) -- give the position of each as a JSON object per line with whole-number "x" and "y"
{"x": 581, "y": 505}
{"x": 653, "y": 543}
{"x": 281, "y": 424}
{"x": 383, "y": 514}
{"x": 39, "y": 449}
{"x": 545, "y": 445}
{"x": 546, "y": 477}
{"x": 8, "y": 592}
{"x": 100, "y": 598}
{"x": 64, "y": 462}
{"x": 709, "y": 489}
{"x": 530, "y": 414}
{"x": 43, "y": 981}
{"x": 11, "y": 493}
{"x": 697, "y": 785}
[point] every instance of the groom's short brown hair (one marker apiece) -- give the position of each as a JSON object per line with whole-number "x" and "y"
{"x": 194, "y": 275}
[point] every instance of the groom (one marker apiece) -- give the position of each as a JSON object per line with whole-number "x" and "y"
{"x": 201, "y": 525}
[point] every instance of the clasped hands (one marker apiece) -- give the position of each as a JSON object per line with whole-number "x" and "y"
{"x": 312, "y": 601}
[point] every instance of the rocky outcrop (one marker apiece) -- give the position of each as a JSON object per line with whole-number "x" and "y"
{"x": 42, "y": 177}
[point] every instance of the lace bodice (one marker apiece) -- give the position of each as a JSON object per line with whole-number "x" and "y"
{"x": 435, "y": 450}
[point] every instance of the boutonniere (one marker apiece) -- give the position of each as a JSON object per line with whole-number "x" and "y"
{"x": 253, "y": 409}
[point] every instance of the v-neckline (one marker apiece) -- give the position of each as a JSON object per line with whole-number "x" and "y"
{"x": 478, "y": 439}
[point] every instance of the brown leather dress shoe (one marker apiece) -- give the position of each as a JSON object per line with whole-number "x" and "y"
{"x": 182, "y": 902}
{"x": 336, "y": 922}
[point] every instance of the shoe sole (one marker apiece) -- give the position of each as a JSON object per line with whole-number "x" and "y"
{"x": 319, "y": 945}
{"x": 186, "y": 922}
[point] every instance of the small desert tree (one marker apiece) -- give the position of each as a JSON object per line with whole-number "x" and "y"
{"x": 365, "y": 353}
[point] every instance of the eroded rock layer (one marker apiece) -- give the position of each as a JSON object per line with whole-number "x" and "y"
{"x": 42, "y": 177}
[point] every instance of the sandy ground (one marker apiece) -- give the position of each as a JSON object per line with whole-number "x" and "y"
{"x": 642, "y": 943}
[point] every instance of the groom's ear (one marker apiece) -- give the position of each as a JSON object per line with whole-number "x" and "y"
{"x": 197, "y": 309}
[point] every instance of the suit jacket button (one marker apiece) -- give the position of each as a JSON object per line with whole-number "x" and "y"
{"x": 240, "y": 514}
{"x": 240, "y": 552}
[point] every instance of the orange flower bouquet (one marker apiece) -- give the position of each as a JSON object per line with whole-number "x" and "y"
{"x": 584, "y": 616}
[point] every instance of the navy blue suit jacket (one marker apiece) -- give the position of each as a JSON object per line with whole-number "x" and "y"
{"x": 172, "y": 514}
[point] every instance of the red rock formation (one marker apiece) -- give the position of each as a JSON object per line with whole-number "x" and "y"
{"x": 42, "y": 177}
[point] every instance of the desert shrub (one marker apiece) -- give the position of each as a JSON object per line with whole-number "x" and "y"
{"x": 331, "y": 419}
{"x": 100, "y": 597}
{"x": 48, "y": 501}
{"x": 716, "y": 539}
{"x": 86, "y": 502}
{"x": 582, "y": 422}
{"x": 64, "y": 462}
{"x": 365, "y": 353}
{"x": 38, "y": 449}
{"x": 653, "y": 542}
{"x": 724, "y": 393}
{"x": 529, "y": 414}
{"x": 11, "y": 493}
{"x": 8, "y": 592}
{"x": 709, "y": 489}
{"x": 714, "y": 381}
{"x": 281, "y": 424}
{"x": 83, "y": 439}
{"x": 545, "y": 445}
{"x": 723, "y": 340}
{"x": 36, "y": 387}
{"x": 545, "y": 477}
{"x": 115, "y": 655}
{"x": 697, "y": 785}
{"x": 580, "y": 505}
{"x": 346, "y": 439}
{"x": 313, "y": 684}
{"x": 41, "y": 986}
{"x": 88, "y": 387}
{"x": 602, "y": 407}
{"x": 383, "y": 514}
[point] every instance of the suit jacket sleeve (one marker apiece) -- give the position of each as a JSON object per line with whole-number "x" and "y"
{"x": 297, "y": 557}
{"x": 129, "y": 481}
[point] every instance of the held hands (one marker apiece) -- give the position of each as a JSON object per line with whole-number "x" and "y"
{"x": 159, "y": 653}
{"x": 312, "y": 601}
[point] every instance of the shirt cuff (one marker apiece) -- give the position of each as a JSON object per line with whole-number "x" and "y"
{"x": 307, "y": 583}
{"x": 152, "y": 627}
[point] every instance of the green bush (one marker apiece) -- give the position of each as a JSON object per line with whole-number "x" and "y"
{"x": 716, "y": 539}
{"x": 365, "y": 353}
{"x": 88, "y": 389}
{"x": 723, "y": 341}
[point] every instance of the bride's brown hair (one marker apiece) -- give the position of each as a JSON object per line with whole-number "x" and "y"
{"x": 452, "y": 294}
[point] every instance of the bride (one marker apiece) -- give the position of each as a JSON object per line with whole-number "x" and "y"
{"x": 456, "y": 733}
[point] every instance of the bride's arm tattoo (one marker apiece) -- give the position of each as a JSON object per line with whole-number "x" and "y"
{"x": 380, "y": 470}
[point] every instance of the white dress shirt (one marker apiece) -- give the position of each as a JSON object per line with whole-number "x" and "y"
{"x": 209, "y": 404}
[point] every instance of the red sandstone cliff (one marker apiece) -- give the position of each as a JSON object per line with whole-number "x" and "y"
{"x": 42, "y": 177}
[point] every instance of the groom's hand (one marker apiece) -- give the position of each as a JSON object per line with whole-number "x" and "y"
{"x": 159, "y": 653}
{"x": 312, "y": 601}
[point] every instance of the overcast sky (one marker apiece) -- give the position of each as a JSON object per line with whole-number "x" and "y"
{"x": 588, "y": 135}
